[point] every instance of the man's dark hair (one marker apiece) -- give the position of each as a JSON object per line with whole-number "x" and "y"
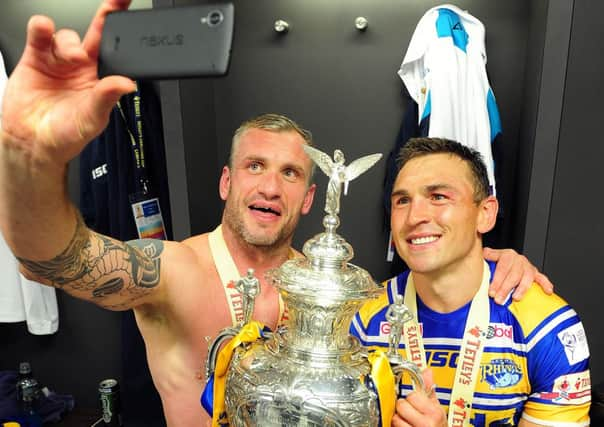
{"x": 418, "y": 147}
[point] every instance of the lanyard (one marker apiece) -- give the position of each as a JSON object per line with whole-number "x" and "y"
{"x": 137, "y": 143}
{"x": 470, "y": 354}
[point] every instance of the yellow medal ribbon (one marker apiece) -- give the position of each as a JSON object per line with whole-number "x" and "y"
{"x": 383, "y": 378}
{"x": 250, "y": 332}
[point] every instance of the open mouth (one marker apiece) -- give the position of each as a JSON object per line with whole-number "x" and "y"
{"x": 264, "y": 209}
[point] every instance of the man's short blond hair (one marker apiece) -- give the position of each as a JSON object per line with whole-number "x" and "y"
{"x": 274, "y": 123}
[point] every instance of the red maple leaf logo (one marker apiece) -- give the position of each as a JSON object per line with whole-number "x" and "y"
{"x": 460, "y": 403}
{"x": 475, "y": 331}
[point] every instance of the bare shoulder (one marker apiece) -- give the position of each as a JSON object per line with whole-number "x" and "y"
{"x": 199, "y": 242}
{"x": 189, "y": 268}
{"x": 182, "y": 262}
{"x": 200, "y": 249}
{"x": 169, "y": 263}
{"x": 192, "y": 287}
{"x": 180, "y": 270}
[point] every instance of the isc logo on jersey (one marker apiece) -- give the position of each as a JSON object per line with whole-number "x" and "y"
{"x": 99, "y": 171}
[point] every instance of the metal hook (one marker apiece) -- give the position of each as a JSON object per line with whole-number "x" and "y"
{"x": 361, "y": 23}
{"x": 281, "y": 26}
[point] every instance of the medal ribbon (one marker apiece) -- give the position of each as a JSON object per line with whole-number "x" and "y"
{"x": 229, "y": 274}
{"x": 470, "y": 354}
{"x": 383, "y": 378}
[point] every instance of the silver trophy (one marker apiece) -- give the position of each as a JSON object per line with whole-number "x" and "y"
{"x": 312, "y": 372}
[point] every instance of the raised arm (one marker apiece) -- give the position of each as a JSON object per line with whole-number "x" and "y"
{"x": 54, "y": 104}
{"x": 113, "y": 274}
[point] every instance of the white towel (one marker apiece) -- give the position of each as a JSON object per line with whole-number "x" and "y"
{"x": 22, "y": 299}
{"x": 25, "y": 300}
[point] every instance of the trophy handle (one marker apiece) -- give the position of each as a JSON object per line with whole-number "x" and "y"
{"x": 399, "y": 369}
{"x": 213, "y": 348}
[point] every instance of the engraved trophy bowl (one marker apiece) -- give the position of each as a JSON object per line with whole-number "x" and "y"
{"x": 311, "y": 372}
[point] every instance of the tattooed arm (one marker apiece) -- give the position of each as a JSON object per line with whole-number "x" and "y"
{"x": 113, "y": 274}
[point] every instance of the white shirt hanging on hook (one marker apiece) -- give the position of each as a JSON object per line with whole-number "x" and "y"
{"x": 444, "y": 71}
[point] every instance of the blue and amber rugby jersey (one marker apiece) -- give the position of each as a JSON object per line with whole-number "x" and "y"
{"x": 535, "y": 362}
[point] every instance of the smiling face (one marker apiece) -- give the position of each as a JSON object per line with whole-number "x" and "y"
{"x": 266, "y": 189}
{"x": 436, "y": 222}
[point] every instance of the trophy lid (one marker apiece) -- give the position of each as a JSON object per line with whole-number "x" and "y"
{"x": 325, "y": 274}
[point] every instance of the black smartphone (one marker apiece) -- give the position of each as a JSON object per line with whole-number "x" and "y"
{"x": 168, "y": 43}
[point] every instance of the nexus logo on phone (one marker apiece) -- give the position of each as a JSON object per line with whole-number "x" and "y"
{"x": 154, "y": 40}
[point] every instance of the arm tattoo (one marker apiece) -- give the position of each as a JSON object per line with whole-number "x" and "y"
{"x": 95, "y": 266}
{"x": 148, "y": 261}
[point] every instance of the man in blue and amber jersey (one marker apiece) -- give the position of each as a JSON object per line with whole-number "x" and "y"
{"x": 521, "y": 363}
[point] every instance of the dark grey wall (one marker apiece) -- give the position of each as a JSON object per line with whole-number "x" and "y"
{"x": 538, "y": 15}
{"x": 543, "y": 128}
{"x": 573, "y": 250}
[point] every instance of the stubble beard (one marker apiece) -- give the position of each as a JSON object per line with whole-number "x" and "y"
{"x": 234, "y": 219}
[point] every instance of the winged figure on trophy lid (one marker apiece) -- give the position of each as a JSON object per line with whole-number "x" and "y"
{"x": 339, "y": 173}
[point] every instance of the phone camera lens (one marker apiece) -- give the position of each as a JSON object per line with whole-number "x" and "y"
{"x": 215, "y": 18}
